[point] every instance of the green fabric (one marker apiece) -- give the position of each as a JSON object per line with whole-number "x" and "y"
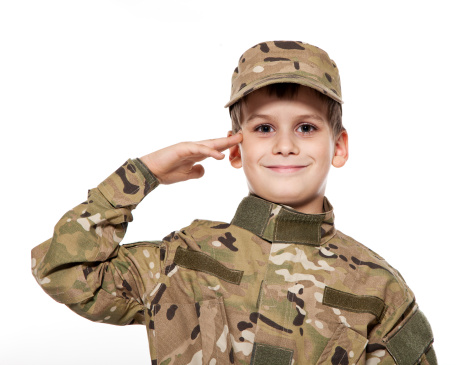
{"x": 431, "y": 357}
{"x": 258, "y": 216}
{"x": 150, "y": 177}
{"x": 199, "y": 261}
{"x": 297, "y": 227}
{"x": 270, "y": 355}
{"x": 411, "y": 341}
{"x": 252, "y": 214}
{"x": 354, "y": 303}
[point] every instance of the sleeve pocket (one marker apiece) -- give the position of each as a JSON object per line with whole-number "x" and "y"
{"x": 344, "y": 348}
{"x": 410, "y": 340}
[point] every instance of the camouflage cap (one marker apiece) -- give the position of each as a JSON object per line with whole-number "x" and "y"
{"x": 285, "y": 61}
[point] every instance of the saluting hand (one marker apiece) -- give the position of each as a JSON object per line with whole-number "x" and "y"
{"x": 177, "y": 162}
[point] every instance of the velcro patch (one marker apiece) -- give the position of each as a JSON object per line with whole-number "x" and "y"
{"x": 409, "y": 343}
{"x": 264, "y": 354}
{"x": 431, "y": 357}
{"x": 298, "y": 228}
{"x": 252, "y": 214}
{"x": 200, "y": 261}
{"x": 354, "y": 303}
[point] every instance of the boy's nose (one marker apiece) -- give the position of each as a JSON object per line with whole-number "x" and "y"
{"x": 285, "y": 145}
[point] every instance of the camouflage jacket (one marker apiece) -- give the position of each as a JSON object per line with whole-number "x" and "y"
{"x": 275, "y": 286}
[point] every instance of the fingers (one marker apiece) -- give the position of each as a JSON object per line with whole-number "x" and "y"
{"x": 223, "y": 143}
{"x": 206, "y": 151}
{"x": 196, "y": 172}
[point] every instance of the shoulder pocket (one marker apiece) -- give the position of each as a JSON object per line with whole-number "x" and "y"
{"x": 344, "y": 348}
{"x": 410, "y": 340}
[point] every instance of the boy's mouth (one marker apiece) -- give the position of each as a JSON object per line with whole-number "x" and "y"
{"x": 285, "y": 168}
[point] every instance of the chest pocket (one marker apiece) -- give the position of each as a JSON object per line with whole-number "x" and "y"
{"x": 345, "y": 347}
{"x": 195, "y": 333}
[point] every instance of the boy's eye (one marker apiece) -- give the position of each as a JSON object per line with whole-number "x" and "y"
{"x": 303, "y": 128}
{"x": 264, "y": 128}
{"x": 307, "y": 128}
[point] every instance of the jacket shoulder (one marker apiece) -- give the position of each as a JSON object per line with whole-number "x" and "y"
{"x": 373, "y": 274}
{"x": 202, "y": 232}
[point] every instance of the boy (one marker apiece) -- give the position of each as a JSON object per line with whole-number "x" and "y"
{"x": 279, "y": 284}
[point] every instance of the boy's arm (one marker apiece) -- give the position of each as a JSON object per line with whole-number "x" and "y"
{"x": 83, "y": 266}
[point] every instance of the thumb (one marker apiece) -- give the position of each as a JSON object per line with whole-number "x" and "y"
{"x": 196, "y": 172}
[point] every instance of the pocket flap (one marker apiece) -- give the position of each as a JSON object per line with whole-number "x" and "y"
{"x": 344, "y": 348}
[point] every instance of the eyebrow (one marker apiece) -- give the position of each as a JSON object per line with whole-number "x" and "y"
{"x": 303, "y": 116}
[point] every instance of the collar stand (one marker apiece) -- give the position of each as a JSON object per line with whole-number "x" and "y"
{"x": 280, "y": 223}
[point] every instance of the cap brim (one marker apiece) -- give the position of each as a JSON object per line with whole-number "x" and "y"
{"x": 284, "y": 78}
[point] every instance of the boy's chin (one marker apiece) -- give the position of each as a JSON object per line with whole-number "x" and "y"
{"x": 290, "y": 199}
{"x": 305, "y": 204}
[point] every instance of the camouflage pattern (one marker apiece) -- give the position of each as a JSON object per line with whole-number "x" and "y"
{"x": 285, "y": 61}
{"x": 182, "y": 288}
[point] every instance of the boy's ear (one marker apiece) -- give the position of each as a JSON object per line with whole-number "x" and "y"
{"x": 234, "y": 154}
{"x": 341, "y": 150}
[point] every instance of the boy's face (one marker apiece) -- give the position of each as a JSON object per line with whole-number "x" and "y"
{"x": 287, "y": 148}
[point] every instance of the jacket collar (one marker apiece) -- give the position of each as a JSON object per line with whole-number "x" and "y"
{"x": 280, "y": 223}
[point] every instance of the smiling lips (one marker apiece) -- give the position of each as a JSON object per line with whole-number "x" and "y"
{"x": 285, "y": 168}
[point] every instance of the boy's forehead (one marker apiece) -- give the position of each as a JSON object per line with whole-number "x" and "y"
{"x": 285, "y": 61}
{"x": 252, "y": 102}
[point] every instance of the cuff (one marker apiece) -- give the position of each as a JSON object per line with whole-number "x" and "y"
{"x": 149, "y": 176}
{"x": 129, "y": 184}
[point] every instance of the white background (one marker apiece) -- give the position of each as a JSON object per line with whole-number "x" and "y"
{"x": 84, "y": 85}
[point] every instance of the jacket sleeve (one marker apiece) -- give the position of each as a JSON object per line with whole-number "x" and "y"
{"x": 403, "y": 337}
{"x": 83, "y": 265}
